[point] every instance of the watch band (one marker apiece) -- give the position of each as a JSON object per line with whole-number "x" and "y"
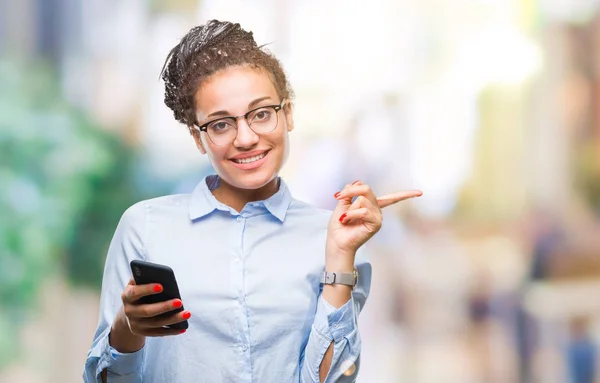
{"x": 332, "y": 278}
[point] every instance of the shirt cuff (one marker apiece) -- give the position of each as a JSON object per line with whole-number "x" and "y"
{"x": 119, "y": 363}
{"x": 335, "y": 324}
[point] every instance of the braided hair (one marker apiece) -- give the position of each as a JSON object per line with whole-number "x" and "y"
{"x": 207, "y": 49}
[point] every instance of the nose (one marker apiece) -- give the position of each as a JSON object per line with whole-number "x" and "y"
{"x": 246, "y": 137}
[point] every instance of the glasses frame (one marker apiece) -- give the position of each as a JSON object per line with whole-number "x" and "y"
{"x": 204, "y": 127}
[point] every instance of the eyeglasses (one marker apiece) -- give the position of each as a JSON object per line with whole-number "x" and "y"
{"x": 261, "y": 120}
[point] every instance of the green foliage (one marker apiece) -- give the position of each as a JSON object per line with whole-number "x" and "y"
{"x": 93, "y": 228}
{"x": 64, "y": 185}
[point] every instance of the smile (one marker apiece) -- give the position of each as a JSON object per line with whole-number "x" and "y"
{"x": 250, "y": 159}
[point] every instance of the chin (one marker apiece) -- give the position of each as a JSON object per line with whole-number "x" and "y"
{"x": 250, "y": 181}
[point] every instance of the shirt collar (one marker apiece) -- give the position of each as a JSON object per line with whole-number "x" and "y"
{"x": 204, "y": 202}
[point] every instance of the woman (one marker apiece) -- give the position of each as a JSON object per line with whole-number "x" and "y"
{"x": 248, "y": 257}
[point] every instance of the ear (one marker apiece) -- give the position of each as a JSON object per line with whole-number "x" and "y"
{"x": 289, "y": 118}
{"x": 198, "y": 139}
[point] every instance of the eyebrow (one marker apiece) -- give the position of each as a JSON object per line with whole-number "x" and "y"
{"x": 250, "y": 106}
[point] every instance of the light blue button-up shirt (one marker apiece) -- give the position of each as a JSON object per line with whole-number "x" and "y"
{"x": 250, "y": 280}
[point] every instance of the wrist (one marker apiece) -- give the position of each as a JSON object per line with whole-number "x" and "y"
{"x": 337, "y": 295}
{"x": 339, "y": 261}
{"x": 339, "y": 267}
{"x": 122, "y": 339}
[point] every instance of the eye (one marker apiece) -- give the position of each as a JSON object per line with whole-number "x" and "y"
{"x": 221, "y": 126}
{"x": 261, "y": 115}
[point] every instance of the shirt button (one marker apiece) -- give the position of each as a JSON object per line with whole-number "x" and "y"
{"x": 244, "y": 347}
{"x": 239, "y": 219}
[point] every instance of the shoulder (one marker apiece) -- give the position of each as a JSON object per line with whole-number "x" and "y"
{"x": 169, "y": 206}
{"x": 173, "y": 201}
{"x": 307, "y": 208}
{"x": 303, "y": 210}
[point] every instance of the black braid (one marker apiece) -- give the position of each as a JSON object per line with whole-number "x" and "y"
{"x": 205, "y": 50}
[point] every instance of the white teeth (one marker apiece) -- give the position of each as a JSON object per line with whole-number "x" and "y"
{"x": 250, "y": 159}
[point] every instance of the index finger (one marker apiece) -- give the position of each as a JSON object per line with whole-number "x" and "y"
{"x": 134, "y": 292}
{"x": 392, "y": 198}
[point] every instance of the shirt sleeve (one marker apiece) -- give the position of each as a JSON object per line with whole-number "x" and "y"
{"x": 127, "y": 244}
{"x": 339, "y": 326}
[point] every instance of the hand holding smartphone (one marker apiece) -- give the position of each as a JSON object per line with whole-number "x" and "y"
{"x": 145, "y": 273}
{"x": 152, "y": 307}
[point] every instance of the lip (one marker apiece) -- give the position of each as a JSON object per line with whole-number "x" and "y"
{"x": 248, "y": 154}
{"x": 251, "y": 165}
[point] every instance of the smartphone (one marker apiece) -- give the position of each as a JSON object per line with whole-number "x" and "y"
{"x": 148, "y": 272}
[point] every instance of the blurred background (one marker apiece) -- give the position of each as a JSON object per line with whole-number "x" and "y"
{"x": 491, "y": 107}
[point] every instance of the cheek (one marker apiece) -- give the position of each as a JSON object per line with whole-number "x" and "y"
{"x": 214, "y": 153}
{"x": 215, "y": 156}
{"x": 285, "y": 147}
{"x": 205, "y": 142}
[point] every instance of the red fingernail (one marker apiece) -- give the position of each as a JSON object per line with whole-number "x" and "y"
{"x": 336, "y": 195}
{"x": 355, "y": 182}
{"x": 177, "y": 304}
{"x": 182, "y": 331}
{"x": 157, "y": 288}
{"x": 342, "y": 217}
{"x": 186, "y": 315}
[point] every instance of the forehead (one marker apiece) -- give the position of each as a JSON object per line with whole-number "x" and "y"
{"x": 232, "y": 89}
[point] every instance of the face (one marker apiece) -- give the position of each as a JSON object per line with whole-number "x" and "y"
{"x": 252, "y": 160}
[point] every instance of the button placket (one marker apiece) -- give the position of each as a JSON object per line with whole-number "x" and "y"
{"x": 238, "y": 262}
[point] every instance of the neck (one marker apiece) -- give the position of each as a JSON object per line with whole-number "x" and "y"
{"x": 238, "y": 198}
